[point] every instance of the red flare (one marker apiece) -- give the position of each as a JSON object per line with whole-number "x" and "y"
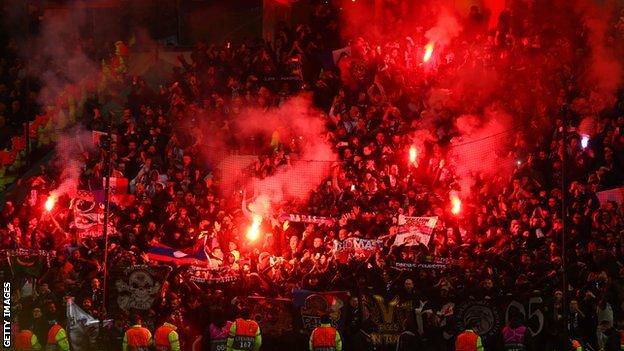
{"x": 254, "y": 229}
{"x": 50, "y": 202}
{"x": 413, "y": 154}
{"x": 428, "y": 52}
{"x": 455, "y": 205}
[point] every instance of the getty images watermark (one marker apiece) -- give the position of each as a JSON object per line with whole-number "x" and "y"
{"x": 6, "y": 315}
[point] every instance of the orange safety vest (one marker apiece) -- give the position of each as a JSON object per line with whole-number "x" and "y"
{"x": 245, "y": 336}
{"x": 23, "y": 341}
{"x": 51, "y": 344}
{"x": 138, "y": 338}
{"x": 324, "y": 339}
{"x": 466, "y": 341}
{"x": 161, "y": 338}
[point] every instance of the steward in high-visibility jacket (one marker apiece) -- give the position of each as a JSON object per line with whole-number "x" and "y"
{"x": 325, "y": 337}
{"x": 136, "y": 337}
{"x": 26, "y": 340}
{"x": 166, "y": 338}
{"x": 244, "y": 335}
{"x": 57, "y": 339}
{"x": 468, "y": 341}
{"x": 217, "y": 336}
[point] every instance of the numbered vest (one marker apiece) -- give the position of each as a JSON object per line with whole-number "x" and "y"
{"x": 514, "y": 338}
{"x": 245, "y": 337}
{"x": 218, "y": 336}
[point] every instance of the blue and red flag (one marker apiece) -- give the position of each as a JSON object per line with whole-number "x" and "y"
{"x": 192, "y": 256}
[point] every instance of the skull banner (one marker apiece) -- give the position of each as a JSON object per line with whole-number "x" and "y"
{"x": 137, "y": 287}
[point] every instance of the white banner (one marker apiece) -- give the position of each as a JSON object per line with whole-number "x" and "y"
{"x": 412, "y": 239}
{"x": 82, "y": 328}
{"x": 415, "y": 230}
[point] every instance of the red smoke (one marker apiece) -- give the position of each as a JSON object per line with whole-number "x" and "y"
{"x": 482, "y": 149}
{"x": 605, "y": 72}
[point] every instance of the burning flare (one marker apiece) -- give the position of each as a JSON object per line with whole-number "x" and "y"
{"x": 50, "y": 202}
{"x": 584, "y": 141}
{"x": 254, "y": 229}
{"x": 413, "y": 154}
{"x": 428, "y": 52}
{"x": 455, "y": 205}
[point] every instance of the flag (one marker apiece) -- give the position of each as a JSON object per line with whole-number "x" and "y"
{"x": 312, "y": 305}
{"x": 415, "y": 230}
{"x": 117, "y": 185}
{"x": 137, "y": 287}
{"x": 387, "y": 314}
{"x": 82, "y": 328}
{"x": 193, "y": 256}
{"x": 355, "y": 247}
{"x": 27, "y": 263}
{"x": 274, "y": 315}
{"x": 89, "y": 215}
{"x": 616, "y": 195}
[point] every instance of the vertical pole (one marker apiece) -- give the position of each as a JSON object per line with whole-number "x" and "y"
{"x": 178, "y": 23}
{"x": 107, "y": 171}
{"x": 564, "y": 218}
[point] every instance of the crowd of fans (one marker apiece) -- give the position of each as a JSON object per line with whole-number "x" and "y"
{"x": 506, "y": 241}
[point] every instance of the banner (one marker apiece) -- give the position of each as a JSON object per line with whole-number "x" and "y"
{"x": 274, "y": 315}
{"x": 530, "y": 311}
{"x": 299, "y": 218}
{"x": 312, "y": 305}
{"x": 118, "y": 185}
{"x": 28, "y": 263}
{"x": 415, "y": 230}
{"x": 89, "y": 216}
{"x": 191, "y": 256}
{"x": 212, "y": 276}
{"x": 82, "y": 328}
{"x": 387, "y": 316}
{"x": 484, "y": 314}
{"x": 412, "y": 239}
{"x": 616, "y": 195}
{"x": 137, "y": 287}
{"x": 355, "y": 247}
{"x": 409, "y": 266}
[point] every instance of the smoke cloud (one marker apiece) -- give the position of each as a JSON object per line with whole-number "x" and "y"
{"x": 296, "y": 126}
{"x": 72, "y": 151}
{"x": 605, "y": 71}
{"x": 482, "y": 149}
{"x": 446, "y": 29}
